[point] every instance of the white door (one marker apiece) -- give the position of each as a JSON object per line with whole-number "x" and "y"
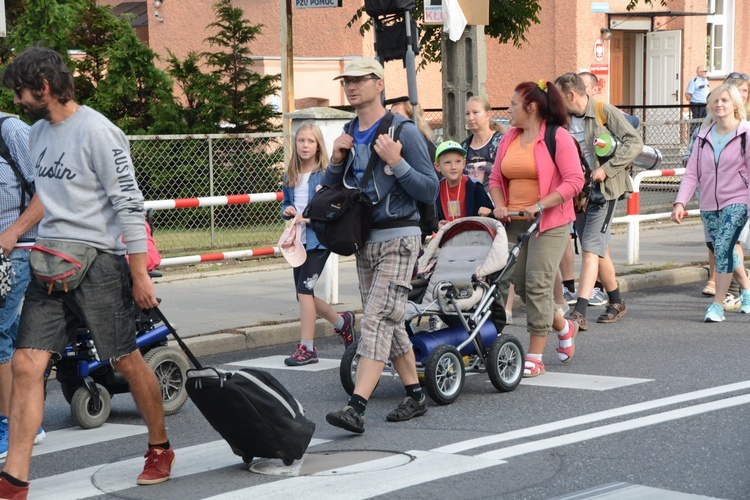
{"x": 663, "y": 81}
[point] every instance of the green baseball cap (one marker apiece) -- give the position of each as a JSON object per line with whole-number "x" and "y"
{"x": 449, "y": 146}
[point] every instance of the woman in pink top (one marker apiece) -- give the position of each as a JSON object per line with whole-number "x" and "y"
{"x": 720, "y": 165}
{"x": 526, "y": 179}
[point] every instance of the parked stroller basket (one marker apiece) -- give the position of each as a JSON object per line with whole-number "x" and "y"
{"x": 470, "y": 342}
{"x": 396, "y": 36}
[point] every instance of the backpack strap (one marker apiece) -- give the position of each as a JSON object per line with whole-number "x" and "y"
{"x": 5, "y": 153}
{"x": 600, "y": 116}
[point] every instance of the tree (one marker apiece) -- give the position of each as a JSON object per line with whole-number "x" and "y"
{"x": 241, "y": 90}
{"x": 509, "y": 21}
{"x": 199, "y": 112}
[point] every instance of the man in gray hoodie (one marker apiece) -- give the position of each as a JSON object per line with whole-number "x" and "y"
{"x": 86, "y": 183}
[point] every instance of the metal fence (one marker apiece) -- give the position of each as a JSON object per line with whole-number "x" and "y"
{"x": 170, "y": 167}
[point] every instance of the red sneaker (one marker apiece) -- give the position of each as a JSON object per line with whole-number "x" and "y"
{"x": 11, "y": 492}
{"x": 158, "y": 466}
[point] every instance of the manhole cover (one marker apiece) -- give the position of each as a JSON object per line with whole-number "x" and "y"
{"x": 333, "y": 463}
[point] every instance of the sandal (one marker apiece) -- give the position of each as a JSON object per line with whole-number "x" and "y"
{"x": 579, "y": 319}
{"x": 533, "y": 368}
{"x": 710, "y": 289}
{"x": 613, "y": 313}
{"x": 565, "y": 354}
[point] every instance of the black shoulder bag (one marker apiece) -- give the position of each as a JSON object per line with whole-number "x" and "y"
{"x": 342, "y": 217}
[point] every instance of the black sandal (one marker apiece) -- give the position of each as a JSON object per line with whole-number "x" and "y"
{"x": 614, "y": 312}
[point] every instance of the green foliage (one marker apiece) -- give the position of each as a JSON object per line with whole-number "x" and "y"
{"x": 201, "y": 112}
{"x": 240, "y": 90}
{"x": 634, "y": 3}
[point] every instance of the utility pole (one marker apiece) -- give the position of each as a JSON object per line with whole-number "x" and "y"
{"x": 287, "y": 75}
{"x": 464, "y": 76}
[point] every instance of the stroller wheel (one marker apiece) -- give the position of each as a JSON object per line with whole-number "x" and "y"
{"x": 505, "y": 363}
{"x": 348, "y": 369}
{"x": 444, "y": 374}
{"x": 170, "y": 367}
{"x": 85, "y": 412}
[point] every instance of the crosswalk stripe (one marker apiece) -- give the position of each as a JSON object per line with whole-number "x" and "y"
{"x": 579, "y": 381}
{"x": 75, "y": 437}
{"x": 277, "y": 363}
{"x": 426, "y": 466}
{"x": 110, "y": 478}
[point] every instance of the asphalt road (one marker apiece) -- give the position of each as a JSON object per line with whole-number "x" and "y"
{"x": 655, "y": 406}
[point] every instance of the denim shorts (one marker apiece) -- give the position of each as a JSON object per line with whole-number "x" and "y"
{"x": 595, "y": 228}
{"x": 11, "y": 312}
{"x": 103, "y": 303}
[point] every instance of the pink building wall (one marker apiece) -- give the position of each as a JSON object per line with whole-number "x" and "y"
{"x": 563, "y": 41}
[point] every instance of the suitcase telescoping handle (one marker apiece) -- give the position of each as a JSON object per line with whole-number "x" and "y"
{"x": 182, "y": 344}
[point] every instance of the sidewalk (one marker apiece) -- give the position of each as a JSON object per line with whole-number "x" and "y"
{"x": 244, "y": 308}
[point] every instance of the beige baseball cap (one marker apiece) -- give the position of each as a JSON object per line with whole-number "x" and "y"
{"x": 363, "y": 66}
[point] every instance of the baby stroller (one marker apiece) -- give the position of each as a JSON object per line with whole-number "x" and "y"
{"x": 89, "y": 383}
{"x": 461, "y": 270}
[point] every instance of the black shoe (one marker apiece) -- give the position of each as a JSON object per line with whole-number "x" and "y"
{"x": 347, "y": 418}
{"x": 408, "y": 409}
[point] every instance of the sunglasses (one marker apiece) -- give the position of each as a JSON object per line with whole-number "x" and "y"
{"x": 738, "y": 75}
{"x": 356, "y": 80}
{"x": 470, "y": 169}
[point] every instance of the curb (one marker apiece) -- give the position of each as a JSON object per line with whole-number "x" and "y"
{"x": 284, "y": 333}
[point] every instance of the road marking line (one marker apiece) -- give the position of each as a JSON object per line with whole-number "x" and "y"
{"x": 426, "y": 467}
{"x": 606, "y": 430}
{"x": 591, "y": 418}
{"x": 117, "y": 476}
{"x": 620, "y": 491}
{"x": 586, "y": 382}
{"x": 75, "y": 437}
{"x": 277, "y": 363}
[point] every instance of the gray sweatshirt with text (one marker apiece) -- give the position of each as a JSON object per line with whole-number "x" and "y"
{"x": 86, "y": 183}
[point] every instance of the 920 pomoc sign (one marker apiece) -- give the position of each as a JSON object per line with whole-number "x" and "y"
{"x": 312, "y": 4}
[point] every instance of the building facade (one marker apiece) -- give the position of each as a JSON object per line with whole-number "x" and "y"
{"x": 645, "y": 56}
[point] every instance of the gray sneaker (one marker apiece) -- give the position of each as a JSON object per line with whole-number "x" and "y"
{"x": 408, "y": 409}
{"x": 347, "y": 419}
{"x": 570, "y": 297}
{"x": 598, "y": 297}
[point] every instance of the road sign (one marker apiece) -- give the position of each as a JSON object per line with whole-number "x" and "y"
{"x": 312, "y": 4}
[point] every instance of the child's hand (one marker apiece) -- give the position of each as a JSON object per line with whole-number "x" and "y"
{"x": 484, "y": 212}
{"x": 290, "y": 212}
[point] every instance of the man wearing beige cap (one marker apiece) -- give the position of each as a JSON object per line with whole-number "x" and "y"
{"x": 402, "y": 175}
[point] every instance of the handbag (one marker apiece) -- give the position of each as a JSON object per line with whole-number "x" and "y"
{"x": 60, "y": 266}
{"x": 341, "y": 218}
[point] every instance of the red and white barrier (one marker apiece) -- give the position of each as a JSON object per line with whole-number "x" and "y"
{"x": 209, "y": 257}
{"x": 212, "y": 201}
{"x": 634, "y": 217}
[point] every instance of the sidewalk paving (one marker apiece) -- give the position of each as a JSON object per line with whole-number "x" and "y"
{"x": 251, "y": 307}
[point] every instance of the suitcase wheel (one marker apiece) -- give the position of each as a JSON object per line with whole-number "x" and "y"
{"x": 287, "y": 461}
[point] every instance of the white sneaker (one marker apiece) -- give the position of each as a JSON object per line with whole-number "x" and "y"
{"x": 570, "y": 297}
{"x": 731, "y": 302}
{"x": 598, "y": 297}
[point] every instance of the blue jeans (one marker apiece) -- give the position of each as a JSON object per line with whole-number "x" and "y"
{"x": 10, "y": 314}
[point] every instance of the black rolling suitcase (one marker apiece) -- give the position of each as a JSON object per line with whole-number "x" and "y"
{"x": 251, "y": 410}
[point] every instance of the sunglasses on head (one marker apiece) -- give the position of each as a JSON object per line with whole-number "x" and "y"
{"x": 738, "y": 75}
{"x": 470, "y": 169}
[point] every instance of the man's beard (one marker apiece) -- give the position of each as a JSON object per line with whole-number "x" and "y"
{"x": 36, "y": 111}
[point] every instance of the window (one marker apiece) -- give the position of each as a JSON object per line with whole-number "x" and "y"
{"x": 720, "y": 31}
